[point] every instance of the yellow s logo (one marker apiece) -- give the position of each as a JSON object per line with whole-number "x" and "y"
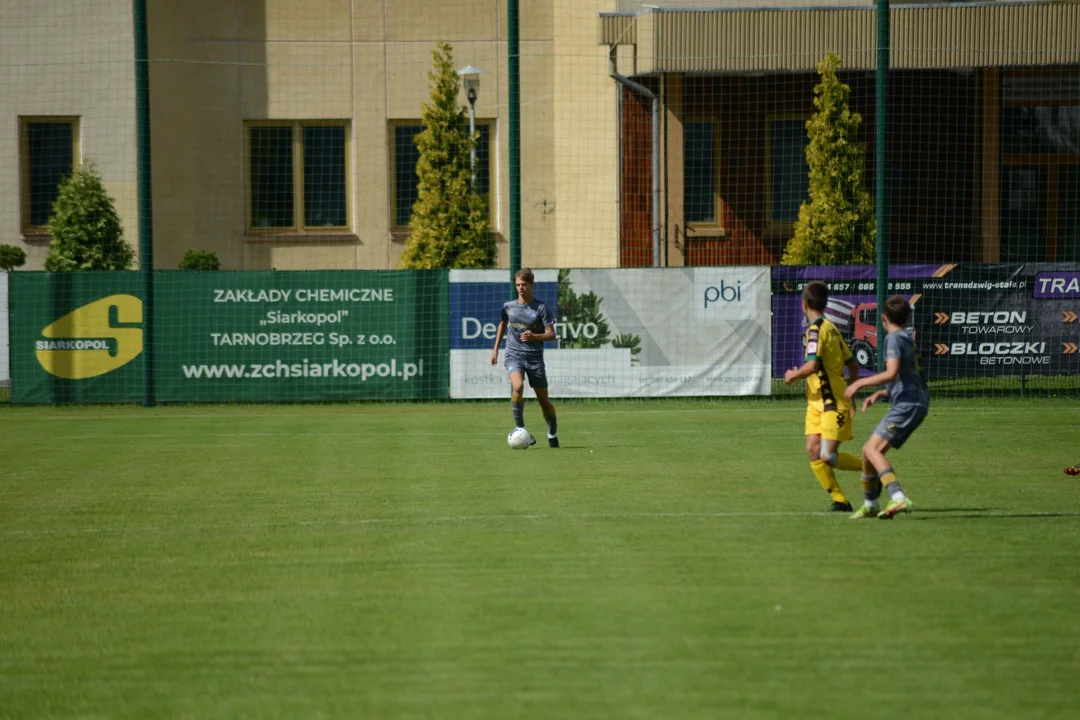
{"x": 81, "y": 346}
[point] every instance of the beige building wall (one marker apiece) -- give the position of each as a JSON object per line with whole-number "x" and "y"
{"x": 586, "y": 140}
{"x": 68, "y": 59}
{"x": 218, "y": 64}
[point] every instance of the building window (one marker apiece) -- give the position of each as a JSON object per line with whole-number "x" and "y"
{"x": 1068, "y": 246}
{"x": 788, "y": 171}
{"x": 49, "y": 151}
{"x": 1040, "y": 173}
{"x": 701, "y": 173}
{"x": 1023, "y": 213}
{"x": 1041, "y": 130}
{"x": 404, "y": 156}
{"x": 406, "y": 183}
{"x": 297, "y": 175}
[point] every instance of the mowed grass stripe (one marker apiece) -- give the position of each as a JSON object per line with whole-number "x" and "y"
{"x": 924, "y": 515}
{"x": 401, "y": 561}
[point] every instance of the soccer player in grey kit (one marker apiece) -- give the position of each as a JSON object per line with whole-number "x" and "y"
{"x": 909, "y": 399}
{"x": 527, "y": 324}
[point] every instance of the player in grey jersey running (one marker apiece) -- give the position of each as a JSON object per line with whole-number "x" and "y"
{"x": 909, "y": 399}
{"x": 527, "y": 325}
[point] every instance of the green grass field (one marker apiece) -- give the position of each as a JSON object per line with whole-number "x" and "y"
{"x": 672, "y": 560}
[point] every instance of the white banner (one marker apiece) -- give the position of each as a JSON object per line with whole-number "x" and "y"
{"x": 624, "y": 333}
{"x": 5, "y": 334}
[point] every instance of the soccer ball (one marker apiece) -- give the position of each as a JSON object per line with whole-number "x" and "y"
{"x": 519, "y": 439}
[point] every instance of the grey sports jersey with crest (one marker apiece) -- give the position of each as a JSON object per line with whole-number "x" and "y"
{"x": 520, "y": 317}
{"x": 909, "y": 387}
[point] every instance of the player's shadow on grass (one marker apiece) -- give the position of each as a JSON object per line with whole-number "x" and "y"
{"x": 982, "y": 514}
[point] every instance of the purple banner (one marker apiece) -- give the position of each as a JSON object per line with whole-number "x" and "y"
{"x": 969, "y": 319}
{"x": 1060, "y": 285}
{"x": 852, "y": 306}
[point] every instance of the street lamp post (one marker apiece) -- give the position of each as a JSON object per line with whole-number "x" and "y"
{"x": 470, "y": 76}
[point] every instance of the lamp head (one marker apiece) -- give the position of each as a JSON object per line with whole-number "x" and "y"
{"x": 470, "y": 78}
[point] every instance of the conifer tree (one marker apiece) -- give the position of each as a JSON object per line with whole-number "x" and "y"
{"x": 450, "y": 227}
{"x": 86, "y": 231}
{"x": 837, "y": 226}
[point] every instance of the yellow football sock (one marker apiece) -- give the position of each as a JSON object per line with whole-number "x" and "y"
{"x": 848, "y": 462}
{"x": 827, "y": 479}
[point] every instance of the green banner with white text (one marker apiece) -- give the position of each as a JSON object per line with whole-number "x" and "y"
{"x": 76, "y": 337}
{"x": 232, "y": 336}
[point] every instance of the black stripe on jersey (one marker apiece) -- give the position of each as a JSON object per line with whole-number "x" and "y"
{"x": 828, "y": 397}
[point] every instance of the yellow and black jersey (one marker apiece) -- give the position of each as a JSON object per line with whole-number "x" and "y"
{"x": 825, "y": 388}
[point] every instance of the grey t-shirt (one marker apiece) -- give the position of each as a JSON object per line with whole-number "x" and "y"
{"x": 520, "y": 317}
{"x": 909, "y": 387}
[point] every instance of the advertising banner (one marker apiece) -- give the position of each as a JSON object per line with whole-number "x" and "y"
{"x": 623, "y": 333}
{"x": 310, "y": 335}
{"x": 1001, "y": 320}
{"x": 5, "y": 345}
{"x": 852, "y": 306}
{"x": 970, "y": 319}
{"x": 76, "y": 337}
{"x": 231, "y": 336}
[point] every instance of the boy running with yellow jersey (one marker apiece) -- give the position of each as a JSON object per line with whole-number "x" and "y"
{"x": 828, "y": 412}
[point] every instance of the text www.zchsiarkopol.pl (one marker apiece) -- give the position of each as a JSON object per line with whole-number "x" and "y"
{"x": 307, "y": 369}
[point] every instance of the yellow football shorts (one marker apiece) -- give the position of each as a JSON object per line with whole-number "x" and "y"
{"x": 830, "y": 425}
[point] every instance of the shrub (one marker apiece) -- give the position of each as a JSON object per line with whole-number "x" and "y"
{"x": 11, "y": 257}
{"x": 200, "y": 260}
{"x": 86, "y": 231}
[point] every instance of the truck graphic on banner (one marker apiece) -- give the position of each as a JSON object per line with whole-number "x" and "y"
{"x": 858, "y": 326}
{"x": 852, "y": 307}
